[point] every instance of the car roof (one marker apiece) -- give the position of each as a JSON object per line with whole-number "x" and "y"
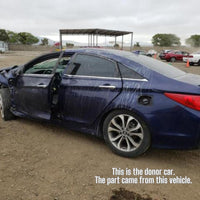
{"x": 125, "y": 57}
{"x": 117, "y": 55}
{"x": 179, "y": 51}
{"x": 101, "y": 52}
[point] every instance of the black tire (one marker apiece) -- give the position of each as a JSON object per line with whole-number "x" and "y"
{"x": 198, "y": 63}
{"x": 172, "y": 59}
{"x": 5, "y": 104}
{"x": 141, "y": 137}
{"x": 191, "y": 63}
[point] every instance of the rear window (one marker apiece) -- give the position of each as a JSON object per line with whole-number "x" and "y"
{"x": 153, "y": 64}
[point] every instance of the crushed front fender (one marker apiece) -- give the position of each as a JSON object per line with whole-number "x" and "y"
{"x": 3, "y": 80}
{"x": 6, "y": 73}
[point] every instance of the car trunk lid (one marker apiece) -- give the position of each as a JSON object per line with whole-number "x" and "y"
{"x": 193, "y": 79}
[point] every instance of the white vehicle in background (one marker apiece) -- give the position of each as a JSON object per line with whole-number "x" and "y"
{"x": 3, "y": 47}
{"x": 193, "y": 58}
{"x": 151, "y": 52}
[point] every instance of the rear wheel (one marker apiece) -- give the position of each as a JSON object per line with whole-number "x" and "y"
{"x": 173, "y": 59}
{"x": 5, "y": 104}
{"x": 198, "y": 63}
{"x": 126, "y": 134}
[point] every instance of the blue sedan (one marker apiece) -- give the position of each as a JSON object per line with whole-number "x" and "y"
{"x": 132, "y": 101}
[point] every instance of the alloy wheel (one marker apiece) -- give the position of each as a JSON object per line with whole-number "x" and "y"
{"x": 125, "y": 132}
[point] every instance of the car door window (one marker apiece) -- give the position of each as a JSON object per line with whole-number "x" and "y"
{"x": 46, "y": 67}
{"x": 87, "y": 65}
{"x": 128, "y": 73}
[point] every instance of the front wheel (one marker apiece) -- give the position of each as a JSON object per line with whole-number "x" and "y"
{"x": 173, "y": 59}
{"x": 191, "y": 63}
{"x": 126, "y": 134}
{"x": 5, "y": 104}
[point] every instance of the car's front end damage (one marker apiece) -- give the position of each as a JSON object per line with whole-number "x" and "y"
{"x": 7, "y": 74}
{"x": 3, "y": 76}
{"x": 3, "y": 80}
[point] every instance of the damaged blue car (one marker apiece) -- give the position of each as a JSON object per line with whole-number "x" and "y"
{"x": 132, "y": 101}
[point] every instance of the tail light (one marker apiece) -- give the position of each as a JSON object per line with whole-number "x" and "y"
{"x": 191, "y": 101}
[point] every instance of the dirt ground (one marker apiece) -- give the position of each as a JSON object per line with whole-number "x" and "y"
{"x": 41, "y": 161}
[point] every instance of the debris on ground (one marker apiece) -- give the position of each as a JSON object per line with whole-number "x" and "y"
{"x": 123, "y": 194}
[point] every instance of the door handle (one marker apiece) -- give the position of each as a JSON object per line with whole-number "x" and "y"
{"x": 107, "y": 86}
{"x": 41, "y": 85}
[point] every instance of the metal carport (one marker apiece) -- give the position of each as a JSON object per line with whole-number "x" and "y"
{"x": 94, "y": 33}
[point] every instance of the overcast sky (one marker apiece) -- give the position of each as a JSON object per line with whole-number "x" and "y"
{"x": 144, "y": 17}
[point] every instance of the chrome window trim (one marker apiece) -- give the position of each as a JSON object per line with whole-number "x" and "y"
{"x": 101, "y": 77}
{"x": 135, "y": 79}
{"x": 93, "y": 77}
{"x": 37, "y": 75}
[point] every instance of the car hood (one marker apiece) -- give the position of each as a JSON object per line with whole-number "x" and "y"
{"x": 8, "y": 68}
{"x": 189, "y": 78}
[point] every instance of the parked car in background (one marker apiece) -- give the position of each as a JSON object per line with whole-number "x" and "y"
{"x": 132, "y": 101}
{"x": 193, "y": 58}
{"x": 140, "y": 52}
{"x": 3, "y": 47}
{"x": 151, "y": 52}
{"x": 175, "y": 56}
{"x": 163, "y": 53}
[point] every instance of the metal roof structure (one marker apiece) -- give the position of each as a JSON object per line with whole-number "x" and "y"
{"x": 94, "y": 33}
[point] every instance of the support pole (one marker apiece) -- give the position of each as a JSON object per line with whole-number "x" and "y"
{"x": 122, "y": 41}
{"x": 131, "y": 42}
{"x": 60, "y": 41}
{"x": 96, "y": 39}
{"x": 93, "y": 40}
{"x": 90, "y": 40}
{"x": 115, "y": 39}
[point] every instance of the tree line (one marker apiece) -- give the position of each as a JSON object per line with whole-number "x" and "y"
{"x": 20, "y": 38}
{"x": 172, "y": 40}
{"x": 157, "y": 40}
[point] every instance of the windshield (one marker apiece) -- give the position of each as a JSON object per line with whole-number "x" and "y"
{"x": 153, "y": 64}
